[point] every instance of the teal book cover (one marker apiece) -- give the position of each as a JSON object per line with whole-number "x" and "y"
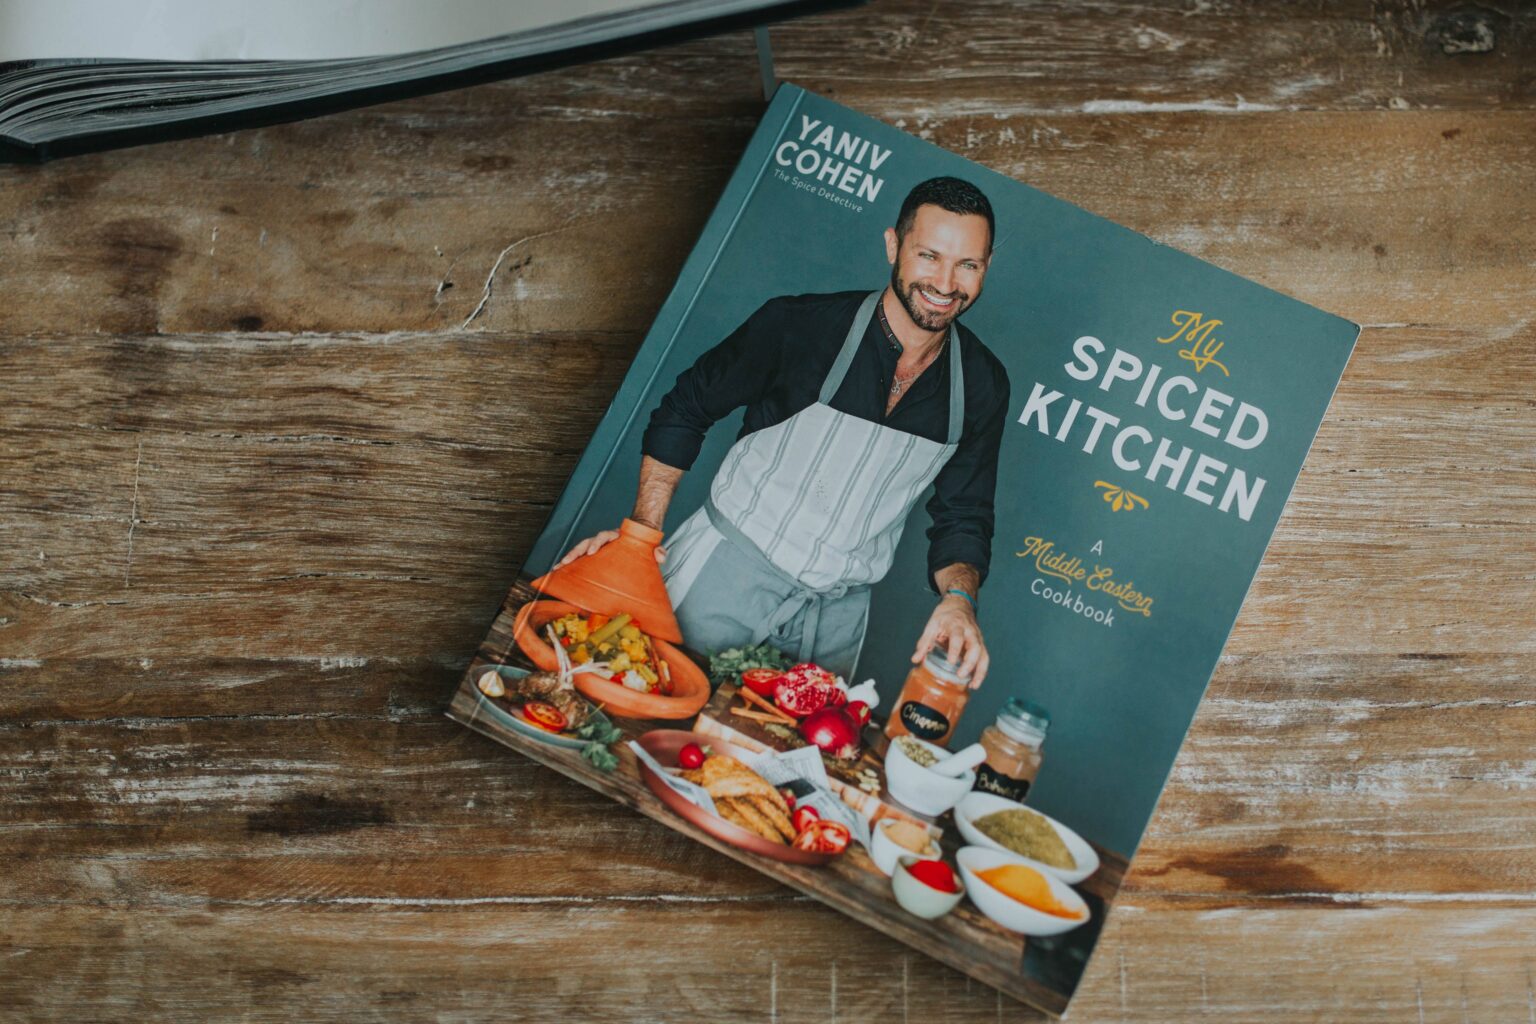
{"x": 915, "y": 462}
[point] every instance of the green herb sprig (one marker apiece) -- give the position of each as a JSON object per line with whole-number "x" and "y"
{"x": 600, "y": 734}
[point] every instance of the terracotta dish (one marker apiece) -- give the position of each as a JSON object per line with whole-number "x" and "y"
{"x": 690, "y": 686}
{"x": 663, "y": 745}
{"x": 621, "y": 577}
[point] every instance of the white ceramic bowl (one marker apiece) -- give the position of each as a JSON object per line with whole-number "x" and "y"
{"x": 979, "y": 805}
{"x": 920, "y": 899}
{"x": 1009, "y": 912}
{"x": 885, "y": 851}
{"x": 919, "y": 788}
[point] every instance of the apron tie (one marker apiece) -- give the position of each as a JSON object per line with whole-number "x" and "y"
{"x": 810, "y": 601}
{"x": 801, "y": 597}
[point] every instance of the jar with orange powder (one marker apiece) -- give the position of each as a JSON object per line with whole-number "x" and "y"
{"x": 1013, "y": 745}
{"x": 931, "y": 701}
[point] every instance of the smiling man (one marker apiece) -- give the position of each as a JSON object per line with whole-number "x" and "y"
{"x": 855, "y": 403}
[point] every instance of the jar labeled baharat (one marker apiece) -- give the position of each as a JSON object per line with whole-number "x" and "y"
{"x": 1013, "y": 750}
{"x": 931, "y": 701}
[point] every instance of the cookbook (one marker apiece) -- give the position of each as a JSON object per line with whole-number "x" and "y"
{"x": 84, "y": 75}
{"x": 902, "y": 558}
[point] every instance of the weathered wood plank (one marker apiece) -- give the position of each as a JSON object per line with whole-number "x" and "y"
{"x": 586, "y": 231}
{"x": 158, "y": 495}
{"x": 997, "y": 57}
{"x": 382, "y": 960}
{"x": 163, "y": 777}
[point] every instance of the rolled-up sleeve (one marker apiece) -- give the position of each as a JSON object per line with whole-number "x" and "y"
{"x": 734, "y": 373}
{"x": 962, "y": 502}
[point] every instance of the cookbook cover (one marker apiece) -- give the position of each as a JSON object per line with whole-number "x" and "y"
{"x": 902, "y": 558}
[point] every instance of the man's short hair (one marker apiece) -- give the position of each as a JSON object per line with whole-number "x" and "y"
{"x": 952, "y": 194}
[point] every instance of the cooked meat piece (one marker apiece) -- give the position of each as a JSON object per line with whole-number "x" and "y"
{"x": 547, "y": 686}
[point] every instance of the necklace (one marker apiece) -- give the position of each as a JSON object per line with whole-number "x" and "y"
{"x": 900, "y": 382}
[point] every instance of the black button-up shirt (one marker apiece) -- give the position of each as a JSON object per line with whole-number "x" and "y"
{"x": 775, "y": 364}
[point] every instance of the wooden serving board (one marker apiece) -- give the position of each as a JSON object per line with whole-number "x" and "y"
{"x": 1040, "y": 972}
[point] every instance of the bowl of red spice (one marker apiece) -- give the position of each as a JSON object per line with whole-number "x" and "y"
{"x": 926, "y": 888}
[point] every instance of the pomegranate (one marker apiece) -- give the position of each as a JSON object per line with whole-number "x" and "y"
{"x": 805, "y": 689}
{"x": 834, "y": 730}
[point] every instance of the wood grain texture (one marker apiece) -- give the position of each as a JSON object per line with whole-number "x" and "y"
{"x": 268, "y": 461}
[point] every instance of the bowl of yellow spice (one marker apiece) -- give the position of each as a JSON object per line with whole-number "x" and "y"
{"x": 997, "y": 823}
{"x": 1016, "y": 895}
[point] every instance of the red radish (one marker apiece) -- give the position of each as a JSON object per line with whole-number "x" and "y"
{"x": 834, "y": 730}
{"x": 859, "y": 710}
{"x": 690, "y": 757}
{"x": 804, "y": 818}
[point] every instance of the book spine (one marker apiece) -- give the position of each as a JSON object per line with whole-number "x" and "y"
{"x": 562, "y": 528}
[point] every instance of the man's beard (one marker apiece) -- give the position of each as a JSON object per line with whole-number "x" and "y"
{"x": 922, "y": 316}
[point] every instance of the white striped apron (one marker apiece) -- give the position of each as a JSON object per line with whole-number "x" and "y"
{"x": 817, "y": 504}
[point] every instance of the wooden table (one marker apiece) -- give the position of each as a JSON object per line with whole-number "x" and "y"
{"x": 285, "y": 408}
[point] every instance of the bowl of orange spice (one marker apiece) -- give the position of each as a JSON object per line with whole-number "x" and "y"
{"x": 1017, "y": 896}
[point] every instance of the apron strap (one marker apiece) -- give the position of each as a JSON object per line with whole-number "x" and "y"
{"x": 850, "y": 348}
{"x": 801, "y": 597}
{"x": 956, "y": 389}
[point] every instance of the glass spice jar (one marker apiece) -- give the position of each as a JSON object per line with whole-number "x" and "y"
{"x": 1013, "y": 745}
{"x": 931, "y": 701}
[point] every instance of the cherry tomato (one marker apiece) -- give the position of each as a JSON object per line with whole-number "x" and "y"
{"x": 545, "y": 716}
{"x": 809, "y": 841}
{"x": 690, "y": 757}
{"x": 789, "y": 799}
{"x": 761, "y": 681}
{"x": 833, "y": 837}
{"x": 804, "y": 818}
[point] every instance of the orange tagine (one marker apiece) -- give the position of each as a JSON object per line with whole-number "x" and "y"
{"x": 1029, "y": 887}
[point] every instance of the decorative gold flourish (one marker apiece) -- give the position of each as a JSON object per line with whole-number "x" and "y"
{"x": 1120, "y": 499}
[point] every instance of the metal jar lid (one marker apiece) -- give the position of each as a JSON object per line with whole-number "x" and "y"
{"x": 1024, "y": 720}
{"x": 938, "y": 663}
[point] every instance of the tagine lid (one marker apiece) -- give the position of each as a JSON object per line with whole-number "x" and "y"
{"x": 621, "y": 577}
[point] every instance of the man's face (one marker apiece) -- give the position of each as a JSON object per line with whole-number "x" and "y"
{"x": 938, "y": 267}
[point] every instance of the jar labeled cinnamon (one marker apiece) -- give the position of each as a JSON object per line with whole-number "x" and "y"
{"x": 1013, "y": 745}
{"x": 931, "y": 701}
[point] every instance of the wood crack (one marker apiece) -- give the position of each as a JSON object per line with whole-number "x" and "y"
{"x": 133, "y": 515}
{"x": 490, "y": 279}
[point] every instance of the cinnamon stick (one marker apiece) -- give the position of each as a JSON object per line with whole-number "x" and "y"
{"x": 752, "y": 698}
{"x": 757, "y": 716}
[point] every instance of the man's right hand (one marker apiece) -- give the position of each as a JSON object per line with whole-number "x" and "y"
{"x": 592, "y": 543}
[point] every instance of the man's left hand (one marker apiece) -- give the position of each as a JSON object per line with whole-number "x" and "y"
{"x": 953, "y": 626}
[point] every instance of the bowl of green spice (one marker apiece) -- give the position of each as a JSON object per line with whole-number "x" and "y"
{"x": 997, "y": 823}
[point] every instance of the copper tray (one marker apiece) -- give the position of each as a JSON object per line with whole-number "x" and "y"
{"x": 663, "y": 745}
